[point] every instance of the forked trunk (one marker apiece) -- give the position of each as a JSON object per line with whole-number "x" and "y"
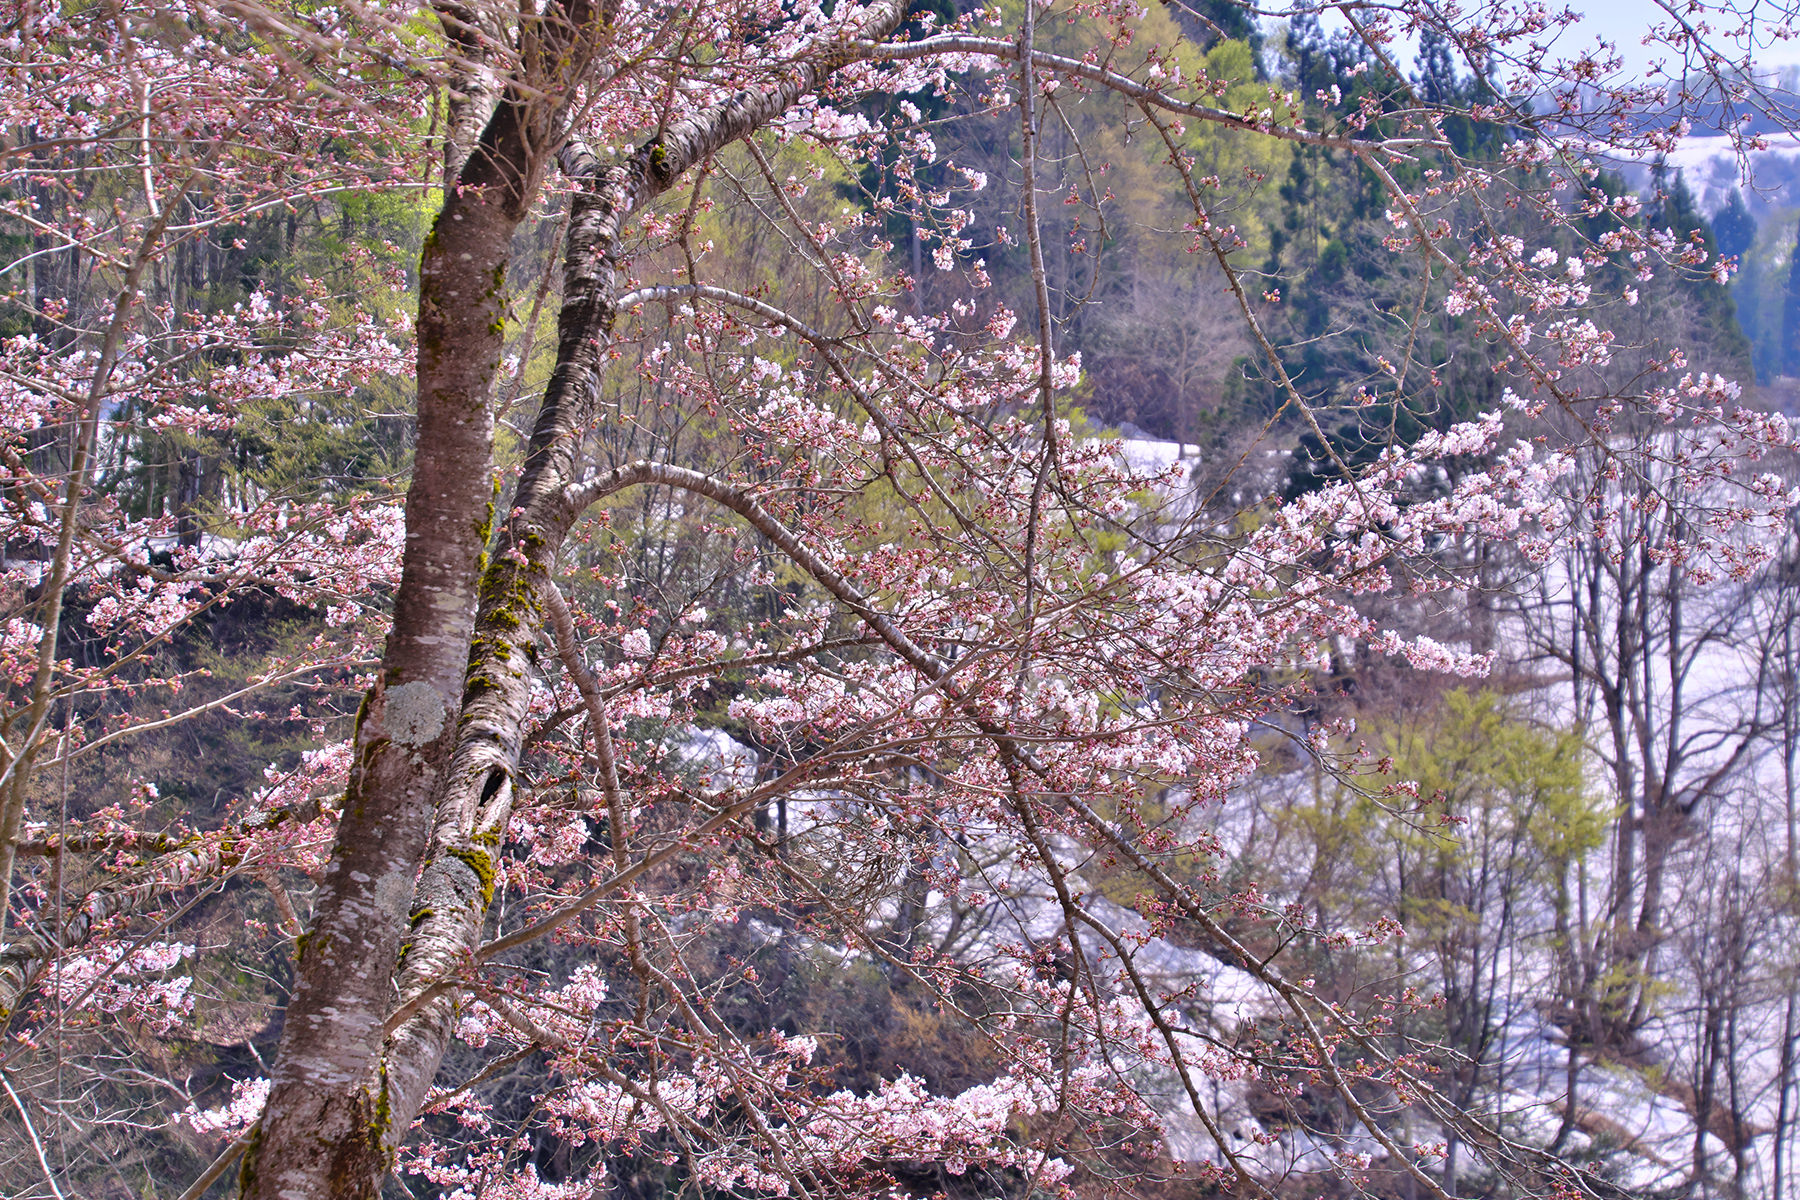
{"x": 438, "y": 741}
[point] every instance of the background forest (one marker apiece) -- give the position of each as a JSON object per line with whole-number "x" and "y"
{"x": 1592, "y": 847}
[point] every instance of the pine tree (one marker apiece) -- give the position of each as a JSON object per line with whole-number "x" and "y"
{"x": 1790, "y": 314}
{"x": 1436, "y": 76}
{"x": 1734, "y": 227}
{"x": 1678, "y": 210}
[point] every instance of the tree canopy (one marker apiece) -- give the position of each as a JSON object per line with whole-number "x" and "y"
{"x": 579, "y": 621}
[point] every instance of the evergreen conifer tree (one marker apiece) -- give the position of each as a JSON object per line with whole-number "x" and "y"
{"x": 1790, "y": 314}
{"x": 1734, "y": 227}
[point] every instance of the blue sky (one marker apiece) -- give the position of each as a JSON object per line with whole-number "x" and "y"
{"x": 1624, "y": 22}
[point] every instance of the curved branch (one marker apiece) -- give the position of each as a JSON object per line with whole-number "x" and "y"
{"x": 761, "y": 520}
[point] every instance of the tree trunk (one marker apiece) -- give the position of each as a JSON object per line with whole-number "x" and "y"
{"x": 457, "y": 884}
{"x": 438, "y": 741}
{"x": 325, "y": 1131}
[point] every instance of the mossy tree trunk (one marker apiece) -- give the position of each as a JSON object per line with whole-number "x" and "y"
{"x": 321, "y": 1134}
{"x": 438, "y": 742}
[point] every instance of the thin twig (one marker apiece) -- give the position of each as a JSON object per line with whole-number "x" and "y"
{"x": 37, "y": 1146}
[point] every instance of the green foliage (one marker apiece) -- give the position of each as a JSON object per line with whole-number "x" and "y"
{"x": 1713, "y": 315}
{"x": 1487, "y": 776}
{"x": 1209, "y": 21}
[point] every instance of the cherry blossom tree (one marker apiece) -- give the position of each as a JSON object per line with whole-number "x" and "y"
{"x": 985, "y": 677}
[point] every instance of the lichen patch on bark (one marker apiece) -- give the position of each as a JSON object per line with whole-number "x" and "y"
{"x": 414, "y": 714}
